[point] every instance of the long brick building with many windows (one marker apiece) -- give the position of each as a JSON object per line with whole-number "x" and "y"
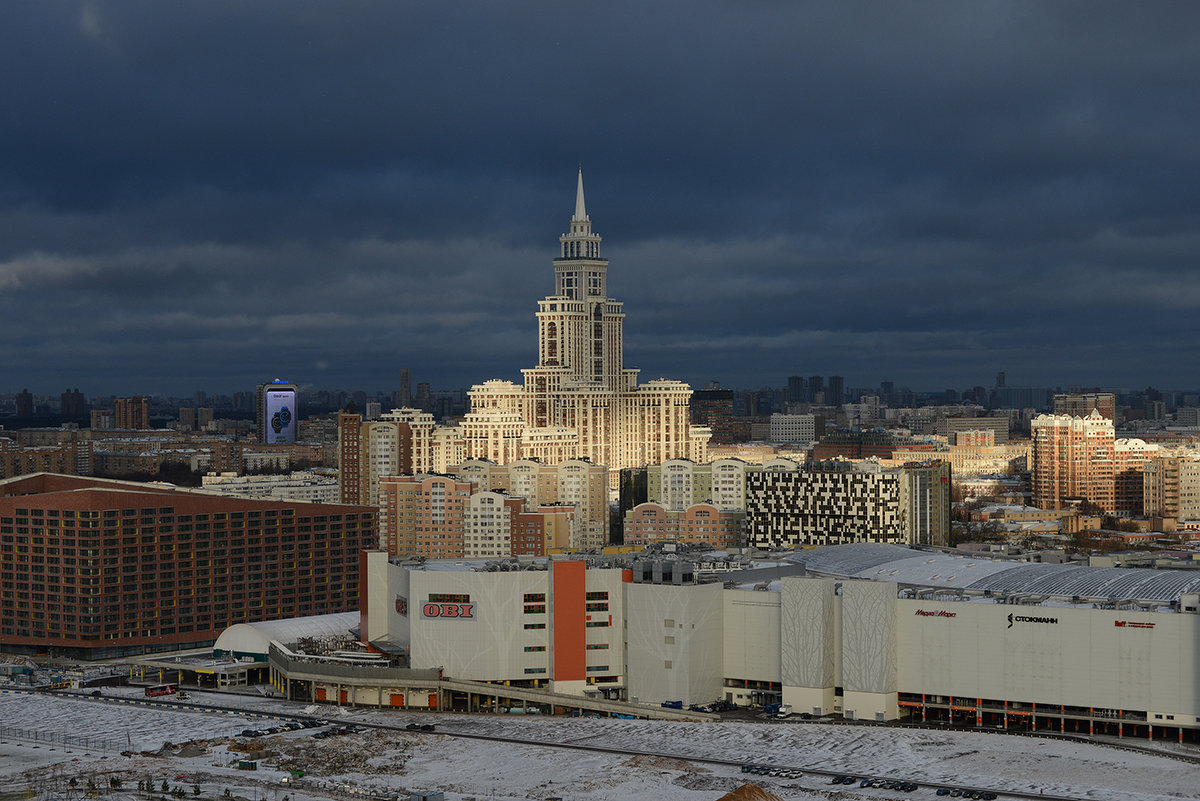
{"x": 95, "y": 569}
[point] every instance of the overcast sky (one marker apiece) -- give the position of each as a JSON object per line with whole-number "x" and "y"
{"x": 210, "y": 194}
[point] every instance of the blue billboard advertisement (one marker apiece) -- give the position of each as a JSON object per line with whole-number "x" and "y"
{"x": 281, "y": 416}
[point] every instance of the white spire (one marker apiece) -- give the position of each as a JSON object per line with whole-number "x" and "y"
{"x": 580, "y": 209}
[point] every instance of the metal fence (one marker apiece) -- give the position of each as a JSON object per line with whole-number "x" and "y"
{"x": 64, "y": 741}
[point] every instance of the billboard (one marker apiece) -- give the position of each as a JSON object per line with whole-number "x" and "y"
{"x": 280, "y": 416}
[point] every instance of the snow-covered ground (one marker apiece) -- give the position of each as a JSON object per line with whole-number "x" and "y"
{"x": 389, "y": 762}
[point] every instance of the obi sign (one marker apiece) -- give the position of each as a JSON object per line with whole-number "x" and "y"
{"x": 460, "y": 611}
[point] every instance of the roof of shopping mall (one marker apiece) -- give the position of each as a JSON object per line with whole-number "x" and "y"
{"x": 974, "y": 573}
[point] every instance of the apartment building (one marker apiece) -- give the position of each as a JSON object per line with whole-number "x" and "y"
{"x": 93, "y": 569}
{"x": 834, "y": 502}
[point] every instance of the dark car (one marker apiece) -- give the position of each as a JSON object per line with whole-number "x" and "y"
{"x": 426, "y": 727}
{"x": 412, "y": 727}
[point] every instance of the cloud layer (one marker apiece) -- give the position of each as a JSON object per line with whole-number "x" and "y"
{"x": 206, "y": 195}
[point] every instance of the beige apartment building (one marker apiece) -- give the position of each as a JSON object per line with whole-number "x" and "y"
{"x": 580, "y": 484}
{"x": 442, "y": 517}
{"x": 132, "y": 414}
{"x": 401, "y": 442}
{"x": 974, "y": 460}
{"x": 1172, "y": 487}
{"x": 677, "y": 484}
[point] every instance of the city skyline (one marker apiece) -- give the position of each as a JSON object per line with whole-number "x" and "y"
{"x": 214, "y": 196}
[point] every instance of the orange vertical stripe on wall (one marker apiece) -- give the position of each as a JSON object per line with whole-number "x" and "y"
{"x": 570, "y": 634}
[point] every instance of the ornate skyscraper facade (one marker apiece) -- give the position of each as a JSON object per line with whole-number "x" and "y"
{"x": 580, "y": 401}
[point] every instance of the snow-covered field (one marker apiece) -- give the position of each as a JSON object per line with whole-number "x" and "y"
{"x": 390, "y": 762}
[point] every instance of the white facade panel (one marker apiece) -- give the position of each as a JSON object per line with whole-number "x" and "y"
{"x": 395, "y": 598}
{"x": 1090, "y": 658}
{"x": 490, "y": 644}
{"x": 869, "y": 650}
{"x": 751, "y": 623}
{"x": 674, "y": 638}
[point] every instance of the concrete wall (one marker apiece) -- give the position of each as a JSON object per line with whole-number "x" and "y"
{"x": 490, "y": 645}
{"x": 394, "y": 595}
{"x": 810, "y": 644}
{"x": 374, "y": 604}
{"x": 674, "y": 637}
{"x": 1096, "y": 658}
{"x": 751, "y": 631}
{"x": 869, "y": 650}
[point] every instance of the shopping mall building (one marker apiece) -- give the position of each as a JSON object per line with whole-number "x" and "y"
{"x": 868, "y": 631}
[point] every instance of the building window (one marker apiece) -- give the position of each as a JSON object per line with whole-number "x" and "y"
{"x": 449, "y": 598}
{"x": 534, "y": 648}
{"x": 534, "y": 670}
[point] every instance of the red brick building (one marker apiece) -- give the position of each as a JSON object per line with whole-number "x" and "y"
{"x": 648, "y": 523}
{"x": 862, "y": 444}
{"x": 71, "y": 458}
{"x": 95, "y": 569}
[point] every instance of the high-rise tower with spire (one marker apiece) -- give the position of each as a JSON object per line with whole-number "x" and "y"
{"x": 580, "y": 401}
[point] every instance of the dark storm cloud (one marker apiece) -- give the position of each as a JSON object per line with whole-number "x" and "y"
{"x": 208, "y": 194}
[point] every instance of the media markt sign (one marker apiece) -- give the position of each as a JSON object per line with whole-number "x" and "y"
{"x": 1012, "y": 618}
